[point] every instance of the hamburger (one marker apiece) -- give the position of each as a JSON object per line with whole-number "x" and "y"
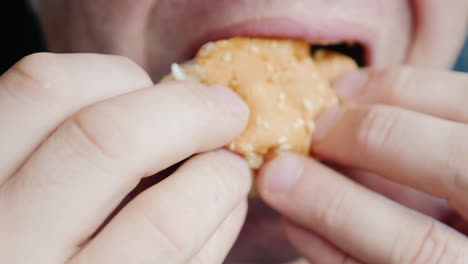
{"x": 285, "y": 85}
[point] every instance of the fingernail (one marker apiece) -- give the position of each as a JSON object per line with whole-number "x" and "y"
{"x": 326, "y": 122}
{"x": 351, "y": 83}
{"x": 237, "y": 105}
{"x": 281, "y": 174}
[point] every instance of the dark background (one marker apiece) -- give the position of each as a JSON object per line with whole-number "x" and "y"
{"x": 21, "y": 35}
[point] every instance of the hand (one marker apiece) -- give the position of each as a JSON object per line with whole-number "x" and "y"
{"x": 78, "y": 134}
{"x": 407, "y": 125}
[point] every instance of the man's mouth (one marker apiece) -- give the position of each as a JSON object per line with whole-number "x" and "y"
{"x": 345, "y": 38}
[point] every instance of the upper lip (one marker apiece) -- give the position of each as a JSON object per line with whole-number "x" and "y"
{"x": 287, "y": 28}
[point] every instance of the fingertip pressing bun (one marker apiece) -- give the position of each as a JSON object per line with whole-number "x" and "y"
{"x": 285, "y": 87}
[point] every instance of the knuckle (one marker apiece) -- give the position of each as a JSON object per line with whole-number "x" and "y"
{"x": 333, "y": 213}
{"x": 100, "y": 129}
{"x": 376, "y": 128}
{"x": 37, "y": 76}
{"x": 165, "y": 238}
{"x": 47, "y": 77}
{"x": 433, "y": 246}
{"x": 37, "y": 60}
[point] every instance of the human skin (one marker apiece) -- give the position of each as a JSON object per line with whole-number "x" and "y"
{"x": 155, "y": 33}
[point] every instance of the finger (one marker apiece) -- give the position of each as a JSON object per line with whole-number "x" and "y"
{"x": 314, "y": 248}
{"x": 367, "y": 226}
{"x": 439, "y": 93}
{"x": 219, "y": 245}
{"x": 402, "y": 194}
{"x": 172, "y": 221}
{"x": 423, "y": 152}
{"x": 82, "y": 172}
{"x": 42, "y": 90}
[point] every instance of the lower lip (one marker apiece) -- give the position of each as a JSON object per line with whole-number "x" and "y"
{"x": 291, "y": 29}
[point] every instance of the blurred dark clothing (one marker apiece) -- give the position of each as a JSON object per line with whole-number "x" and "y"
{"x": 21, "y": 35}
